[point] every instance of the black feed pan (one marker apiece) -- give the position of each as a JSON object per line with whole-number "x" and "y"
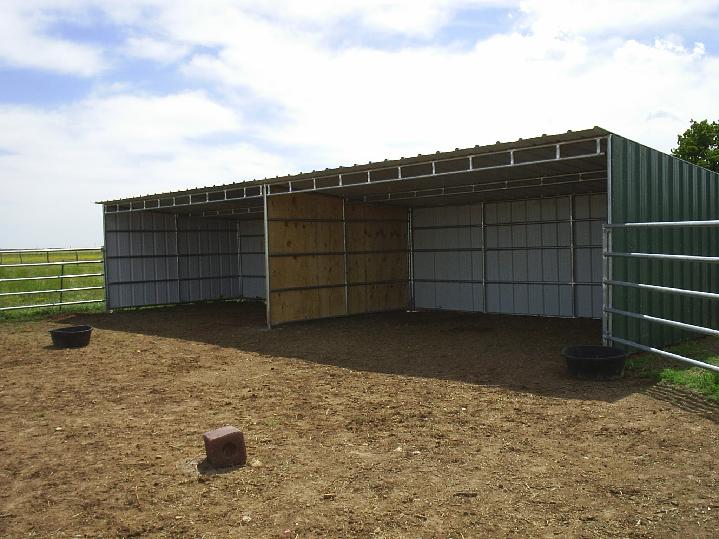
{"x": 71, "y": 337}
{"x": 595, "y": 362}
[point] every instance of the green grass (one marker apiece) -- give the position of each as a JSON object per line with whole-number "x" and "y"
{"x": 697, "y": 379}
{"x": 50, "y": 283}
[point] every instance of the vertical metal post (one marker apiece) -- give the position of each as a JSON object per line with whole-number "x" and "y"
{"x": 484, "y": 259}
{"x": 572, "y": 279}
{"x": 410, "y": 245}
{"x": 344, "y": 256}
{"x": 103, "y": 252}
{"x": 239, "y": 260}
{"x": 605, "y": 287}
{"x": 268, "y": 302}
{"x": 607, "y": 273}
{"x": 177, "y": 256}
{"x": 62, "y": 275}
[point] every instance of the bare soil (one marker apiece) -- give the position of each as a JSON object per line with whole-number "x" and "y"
{"x": 392, "y": 425}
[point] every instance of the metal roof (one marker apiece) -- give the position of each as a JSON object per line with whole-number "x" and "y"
{"x": 519, "y": 144}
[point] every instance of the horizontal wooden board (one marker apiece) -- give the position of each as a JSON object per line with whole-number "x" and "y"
{"x": 286, "y": 237}
{"x": 307, "y": 270}
{"x": 377, "y": 267}
{"x": 378, "y": 297}
{"x": 296, "y": 305}
{"x": 376, "y": 236}
{"x": 304, "y": 206}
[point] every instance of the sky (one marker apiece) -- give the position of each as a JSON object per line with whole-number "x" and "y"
{"x": 102, "y": 99}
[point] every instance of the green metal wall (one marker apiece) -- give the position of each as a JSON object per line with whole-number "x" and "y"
{"x": 648, "y": 185}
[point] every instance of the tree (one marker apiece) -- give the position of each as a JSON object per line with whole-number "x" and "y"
{"x": 700, "y": 144}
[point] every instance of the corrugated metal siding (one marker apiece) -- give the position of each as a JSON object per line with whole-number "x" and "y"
{"x": 154, "y": 258}
{"x": 141, "y": 259}
{"x": 648, "y": 185}
{"x": 252, "y": 258}
{"x": 525, "y": 247}
{"x": 208, "y": 259}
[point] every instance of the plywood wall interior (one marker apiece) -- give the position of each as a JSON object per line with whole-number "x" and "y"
{"x": 299, "y": 237}
{"x": 328, "y": 258}
{"x": 378, "y": 297}
{"x": 306, "y": 257}
{"x": 296, "y": 305}
{"x": 377, "y": 258}
{"x": 306, "y": 270}
{"x": 304, "y": 206}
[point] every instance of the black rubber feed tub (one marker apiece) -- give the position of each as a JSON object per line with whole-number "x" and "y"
{"x": 595, "y": 362}
{"x": 71, "y": 337}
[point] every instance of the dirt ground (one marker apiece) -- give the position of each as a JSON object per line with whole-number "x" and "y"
{"x": 393, "y": 425}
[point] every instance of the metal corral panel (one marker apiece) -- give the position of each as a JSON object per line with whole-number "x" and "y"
{"x": 650, "y": 186}
{"x": 517, "y": 258}
{"x": 154, "y": 258}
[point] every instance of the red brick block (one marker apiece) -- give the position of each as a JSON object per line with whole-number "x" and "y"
{"x": 225, "y": 447}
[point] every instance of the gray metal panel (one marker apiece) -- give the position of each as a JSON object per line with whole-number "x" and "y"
{"x": 252, "y": 259}
{"x": 140, "y": 265}
{"x": 424, "y": 295}
{"x": 528, "y": 242}
{"x": 157, "y": 258}
{"x": 208, "y": 261}
{"x": 253, "y": 287}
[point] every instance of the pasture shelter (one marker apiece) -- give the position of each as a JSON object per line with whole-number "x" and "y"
{"x": 584, "y": 224}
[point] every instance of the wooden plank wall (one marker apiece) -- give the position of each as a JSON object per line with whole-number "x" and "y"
{"x": 312, "y": 276}
{"x": 377, "y": 258}
{"x": 306, "y": 257}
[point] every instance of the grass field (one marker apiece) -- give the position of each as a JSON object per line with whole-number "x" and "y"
{"x": 48, "y": 278}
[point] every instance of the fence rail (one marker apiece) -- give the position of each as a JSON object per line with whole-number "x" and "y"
{"x": 608, "y": 283}
{"x": 37, "y": 278}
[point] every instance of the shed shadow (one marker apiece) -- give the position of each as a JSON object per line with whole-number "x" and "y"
{"x": 685, "y": 400}
{"x": 518, "y": 353}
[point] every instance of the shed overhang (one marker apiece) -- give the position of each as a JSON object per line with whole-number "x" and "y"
{"x": 572, "y": 162}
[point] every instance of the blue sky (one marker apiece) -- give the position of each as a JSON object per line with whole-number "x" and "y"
{"x": 101, "y": 100}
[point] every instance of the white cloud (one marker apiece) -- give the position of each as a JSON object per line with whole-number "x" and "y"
{"x": 589, "y": 18}
{"x": 358, "y": 104}
{"x": 55, "y": 164}
{"x": 23, "y": 43}
{"x": 153, "y": 49}
{"x": 560, "y": 67}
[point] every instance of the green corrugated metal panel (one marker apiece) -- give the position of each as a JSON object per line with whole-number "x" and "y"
{"x": 648, "y": 185}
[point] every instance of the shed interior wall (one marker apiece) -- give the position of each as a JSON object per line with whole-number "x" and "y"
{"x": 533, "y": 257}
{"x": 306, "y": 260}
{"x": 377, "y": 246}
{"x": 155, "y": 258}
{"x": 328, "y": 258}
